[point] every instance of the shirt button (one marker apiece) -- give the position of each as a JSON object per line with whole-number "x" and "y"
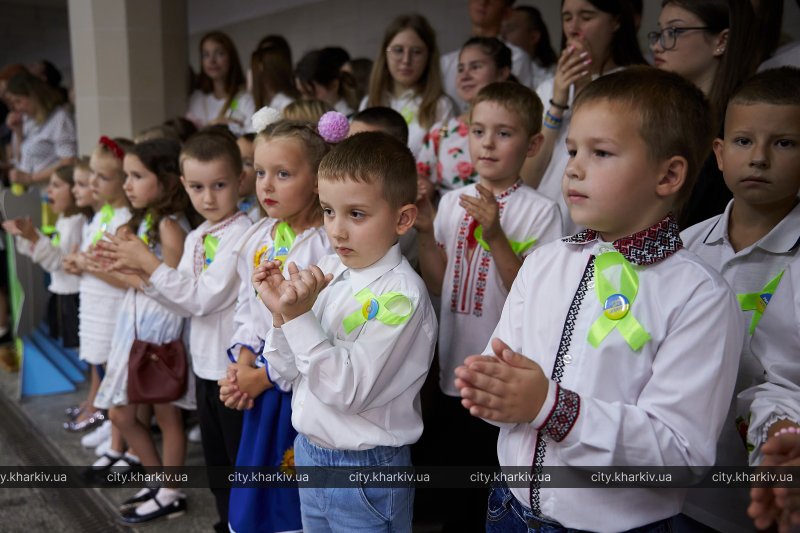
{"x": 567, "y": 359}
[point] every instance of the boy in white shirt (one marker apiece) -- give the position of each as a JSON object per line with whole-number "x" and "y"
{"x": 751, "y": 244}
{"x": 204, "y": 287}
{"x": 357, "y": 352}
{"x": 471, "y": 253}
{"x": 612, "y": 341}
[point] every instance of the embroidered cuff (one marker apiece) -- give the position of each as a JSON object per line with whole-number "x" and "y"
{"x": 303, "y": 333}
{"x": 563, "y": 415}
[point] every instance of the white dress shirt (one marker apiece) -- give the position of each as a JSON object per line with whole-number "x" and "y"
{"x": 473, "y": 293}
{"x": 252, "y": 320}
{"x": 776, "y": 343}
{"x": 662, "y": 405}
{"x": 746, "y": 271}
{"x": 50, "y": 257}
{"x": 520, "y": 67}
{"x": 204, "y": 108}
{"x": 407, "y": 104}
{"x": 357, "y": 390}
{"x": 208, "y": 296}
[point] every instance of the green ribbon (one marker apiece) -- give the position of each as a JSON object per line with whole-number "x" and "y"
{"x": 210, "y": 244}
{"x": 757, "y": 301}
{"x": 519, "y": 247}
{"x": 52, "y": 232}
{"x": 617, "y": 303}
{"x": 106, "y": 214}
{"x": 145, "y": 228}
{"x": 384, "y": 308}
{"x": 407, "y": 114}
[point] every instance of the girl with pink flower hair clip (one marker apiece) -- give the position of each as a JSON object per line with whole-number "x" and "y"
{"x": 287, "y": 156}
{"x": 444, "y": 163}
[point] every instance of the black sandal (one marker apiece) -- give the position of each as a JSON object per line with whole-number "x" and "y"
{"x": 171, "y": 510}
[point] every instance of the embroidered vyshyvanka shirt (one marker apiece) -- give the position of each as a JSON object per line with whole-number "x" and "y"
{"x": 472, "y": 290}
{"x": 205, "y": 290}
{"x": 611, "y": 405}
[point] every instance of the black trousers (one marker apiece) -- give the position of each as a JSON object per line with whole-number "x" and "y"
{"x": 221, "y": 430}
{"x": 62, "y": 318}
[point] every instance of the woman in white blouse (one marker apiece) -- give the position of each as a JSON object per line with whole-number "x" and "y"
{"x": 44, "y": 131}
{"x": 221, "y": 97}
{"x": 406, "y": 77}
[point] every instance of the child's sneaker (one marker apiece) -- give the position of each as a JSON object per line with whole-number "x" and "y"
{"x": 98, "y": 436}
{"x": 194, "y": 434}
{"x": 103, "y": 447}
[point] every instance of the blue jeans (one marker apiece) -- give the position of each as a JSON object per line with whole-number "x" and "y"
{"x": 507, "y": 515}
{"x": 363, "y": 508}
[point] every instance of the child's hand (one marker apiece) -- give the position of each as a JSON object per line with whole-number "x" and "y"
{"x": 253, "y": 381}
{"x": 21, "y": 227}
{"x": 486, "y": 211}
{"x": 425, "y": 189}
{"x": 299, "y": 296}
{"x": 229, "y": 393}
{"x": 425, "y": 215}
{"x": 268, "y": 281}
{"x": 70, "y": 262}
{"x": 770, "y": 505}
{"x": 127, "y": 253}
{"x": 508, "y": 387}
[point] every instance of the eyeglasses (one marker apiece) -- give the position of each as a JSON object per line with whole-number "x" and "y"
{"x": 668, "y": 37}
{"x": 397, "y": 52}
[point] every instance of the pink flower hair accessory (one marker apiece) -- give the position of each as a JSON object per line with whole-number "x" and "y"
{"x": 333, "y": 127}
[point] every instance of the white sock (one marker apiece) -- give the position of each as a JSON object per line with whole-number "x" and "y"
{"x": 106, "y": 460}
{"x": 164, "y": 496}
{"x": 131, "y": 458}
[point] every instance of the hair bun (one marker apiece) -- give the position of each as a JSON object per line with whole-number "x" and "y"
{"x": 333, "y": 127}
{"x": 264, "y": 117}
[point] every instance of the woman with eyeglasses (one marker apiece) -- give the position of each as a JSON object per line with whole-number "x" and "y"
{"x": 598, "y": 37}
{"x": 711, "y": 43}
{"x": 406, "y": 77}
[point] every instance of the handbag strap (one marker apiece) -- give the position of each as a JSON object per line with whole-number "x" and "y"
{"x": 135, "y": 329}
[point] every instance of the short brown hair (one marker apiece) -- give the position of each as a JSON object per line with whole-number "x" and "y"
{"x": 302, "y": 130}
{"x": 210, "y": 145}
{"x": 675, "y": 117}
{"x": 373, "y": 156}
{"x": 776, "y": 86}
{"x": 517, "y": 98}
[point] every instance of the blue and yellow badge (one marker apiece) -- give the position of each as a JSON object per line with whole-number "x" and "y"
{"x": 370, "y": 309}
{"x": 616, "y": 306}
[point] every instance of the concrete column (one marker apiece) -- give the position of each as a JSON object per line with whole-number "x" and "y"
{"x": 129, "y": 61}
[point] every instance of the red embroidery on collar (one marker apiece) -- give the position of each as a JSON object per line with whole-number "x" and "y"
{"x": 645, "y": 247}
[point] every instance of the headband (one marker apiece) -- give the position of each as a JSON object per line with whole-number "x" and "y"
{"x": 118, "y": 152}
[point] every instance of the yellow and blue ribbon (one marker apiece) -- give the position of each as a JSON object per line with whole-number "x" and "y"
{"x": 617, "y": 303}
{"x": 106, "y": 215}
{"x": 757, "y": 301}
{"x": 392, "y": 309}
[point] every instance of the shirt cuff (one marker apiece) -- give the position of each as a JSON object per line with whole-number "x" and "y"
{"x": 562, "y": 415}
{"x": 303, "y": 333}
{"x": 159, "y": 275}
{"x": 547, "y": 406}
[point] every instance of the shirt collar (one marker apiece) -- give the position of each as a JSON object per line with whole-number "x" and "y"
{"x": 362, "y": 277}
{"x": 642, "y": 248}
{"x": 781, "y": 239}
